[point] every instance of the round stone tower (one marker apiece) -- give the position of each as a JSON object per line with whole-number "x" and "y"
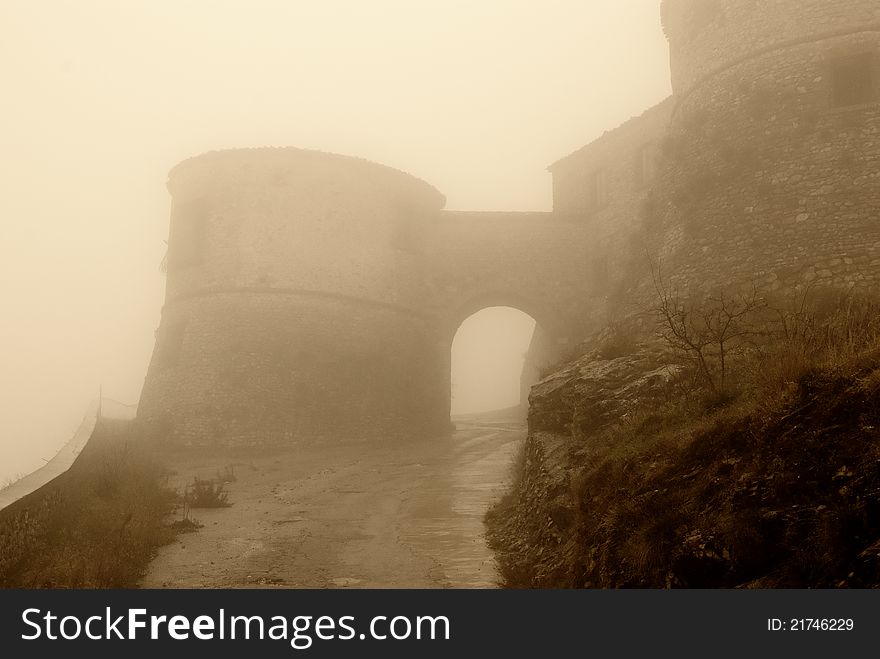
{"x": 771, "y": 166}
{"x": 294, "y": 301}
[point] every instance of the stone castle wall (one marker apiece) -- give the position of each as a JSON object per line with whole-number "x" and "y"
{"x": 767, "y": 167}
{"x": 311, "y": 295}
{"x": 318, "y": 295}
{"x": 771, "y": 163}
{"x": 627, "y": 160}
{"x": 535, "y": 262}
{"x": 294, "y": 302}
{"x": 295, "y": 219}
{"x": 706, "y": 36}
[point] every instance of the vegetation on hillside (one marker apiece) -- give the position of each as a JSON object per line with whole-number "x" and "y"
{"x": 763, "y": 471}
{"x": 95, "y": 526}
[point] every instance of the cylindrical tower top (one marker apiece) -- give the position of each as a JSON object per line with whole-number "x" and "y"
{"x": 294, "y": 219}
{"x": 215, "y": 169}
{"x": 706, "y": 36}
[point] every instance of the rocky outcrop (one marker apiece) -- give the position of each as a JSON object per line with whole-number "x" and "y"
{"x": 533, "y": 530}
{"x": 592, "y": 393}
{"x": 777, "y": 489}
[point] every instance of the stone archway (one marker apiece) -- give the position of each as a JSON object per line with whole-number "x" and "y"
{"x": 498, "y": 353}
{"x": 550, "y": 339}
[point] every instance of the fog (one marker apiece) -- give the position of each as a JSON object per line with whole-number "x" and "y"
{"x": 487, "y": 360}
{"x": 102, "y": 97}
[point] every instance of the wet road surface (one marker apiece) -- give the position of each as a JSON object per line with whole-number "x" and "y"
{"x": 404, "y": 515}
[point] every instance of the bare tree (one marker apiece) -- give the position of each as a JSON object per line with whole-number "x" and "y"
{"x": 706, "y": 332}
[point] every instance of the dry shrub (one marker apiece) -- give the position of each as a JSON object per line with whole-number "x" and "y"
{"x": 206, "y": 493}
{"x": 821, "y": 330}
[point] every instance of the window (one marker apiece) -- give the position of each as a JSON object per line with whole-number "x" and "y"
{"x": 852, "y": 79}
{"x": 186, "y": 243}
{"x": 598, "y": 189}
{"x": 644, "y": 166}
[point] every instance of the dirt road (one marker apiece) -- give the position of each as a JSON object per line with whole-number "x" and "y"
{"x": 406, "y": 515}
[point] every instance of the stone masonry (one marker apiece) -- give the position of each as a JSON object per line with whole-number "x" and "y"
{"x": 315, "y": 295}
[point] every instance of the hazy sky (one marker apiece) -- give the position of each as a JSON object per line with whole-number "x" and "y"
{"x": 100, "y": 98}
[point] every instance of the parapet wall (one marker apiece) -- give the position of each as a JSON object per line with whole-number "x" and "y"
{"x": 296, "y": 219}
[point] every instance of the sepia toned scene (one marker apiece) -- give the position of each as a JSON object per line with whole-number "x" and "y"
{"x": 495, "y": 294}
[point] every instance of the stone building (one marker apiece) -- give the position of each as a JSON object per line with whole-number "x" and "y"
{"x": 764, "y": 165}
{"x": 311, "y": 294}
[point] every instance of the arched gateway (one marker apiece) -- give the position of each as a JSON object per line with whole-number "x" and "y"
{"x": 312, "y": 294}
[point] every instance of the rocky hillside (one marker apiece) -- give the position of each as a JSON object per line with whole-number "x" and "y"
{"x": 631, "y": 479}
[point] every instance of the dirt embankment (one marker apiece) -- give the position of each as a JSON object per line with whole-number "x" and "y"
{"x": 624, "y": 482}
